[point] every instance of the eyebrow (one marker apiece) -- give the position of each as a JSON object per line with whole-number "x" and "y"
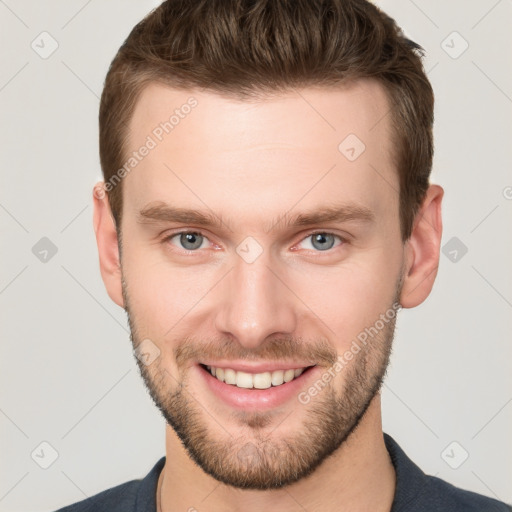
{"x": 162, "y": 212}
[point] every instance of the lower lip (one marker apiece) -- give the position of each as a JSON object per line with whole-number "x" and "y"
{"x": 256, "y": 399}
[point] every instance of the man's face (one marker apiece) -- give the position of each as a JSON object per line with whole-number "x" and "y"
{"x": 255, "y": 289}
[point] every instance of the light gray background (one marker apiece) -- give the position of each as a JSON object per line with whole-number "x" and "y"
{"x": 68, "y": 376}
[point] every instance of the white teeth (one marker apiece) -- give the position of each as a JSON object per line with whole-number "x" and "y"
{"x": 229, "y": 376}
{"x": 262, "y": 380}
{"x": 289, "y": 375}
{"x": 243, "y": 380}
{"x": 255, "y": 380}
{"x": 277, "y": 377}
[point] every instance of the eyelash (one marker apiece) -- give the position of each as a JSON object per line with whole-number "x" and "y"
{"x": 188, "y": 251}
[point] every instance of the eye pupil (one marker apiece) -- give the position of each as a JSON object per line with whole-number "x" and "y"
{"x": 325, "y": 240}
{"x": 195, "y": 239}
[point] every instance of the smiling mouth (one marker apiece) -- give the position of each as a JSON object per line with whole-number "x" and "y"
{"x": 262, "y": 380}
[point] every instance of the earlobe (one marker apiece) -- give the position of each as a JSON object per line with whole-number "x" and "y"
{"x": 422, "y": 250}
{"x": 107, "y": 241}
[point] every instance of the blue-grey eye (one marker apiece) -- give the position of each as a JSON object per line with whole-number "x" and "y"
{"x": 321, "y": 241}
{"x": 189, "y": 240}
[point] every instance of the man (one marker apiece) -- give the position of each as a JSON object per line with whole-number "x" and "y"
{"x": 265, "y": 213}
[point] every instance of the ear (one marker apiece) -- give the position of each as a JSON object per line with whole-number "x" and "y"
{"x": 422, "y": 250}
{"x": 107, "y": 241}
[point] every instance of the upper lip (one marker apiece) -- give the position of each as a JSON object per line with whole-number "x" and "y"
{"x": 244, "y": 366}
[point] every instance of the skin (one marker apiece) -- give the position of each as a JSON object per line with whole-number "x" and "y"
{"x": 250, "y": 163}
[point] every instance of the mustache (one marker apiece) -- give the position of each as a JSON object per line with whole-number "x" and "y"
{"x": 319, "y": 352}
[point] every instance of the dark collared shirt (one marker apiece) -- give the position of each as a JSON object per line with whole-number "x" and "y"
{"x": 415, "y": 492}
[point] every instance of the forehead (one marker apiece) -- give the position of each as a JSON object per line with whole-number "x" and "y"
{"x": 206, "y": 149}
{"x": 358, "y": 106}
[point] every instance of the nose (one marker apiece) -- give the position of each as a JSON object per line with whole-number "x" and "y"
{"x": 255, "y": 303}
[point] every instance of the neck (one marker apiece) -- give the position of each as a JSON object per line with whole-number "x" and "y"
{"x": 359, "y": 476}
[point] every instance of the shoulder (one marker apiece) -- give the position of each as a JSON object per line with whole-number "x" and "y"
{"x": 417, "y": 492}
{"x": 132, "y": 496}
{"x": 441, "y": 495}
{"x": 119, "y": 498}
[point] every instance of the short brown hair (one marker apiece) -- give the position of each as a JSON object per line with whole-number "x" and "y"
{"x": 240, "y": 48}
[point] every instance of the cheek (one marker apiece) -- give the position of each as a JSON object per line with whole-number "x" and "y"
{"x": 348, "y": 298}
{"x": 160, "y": 294}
